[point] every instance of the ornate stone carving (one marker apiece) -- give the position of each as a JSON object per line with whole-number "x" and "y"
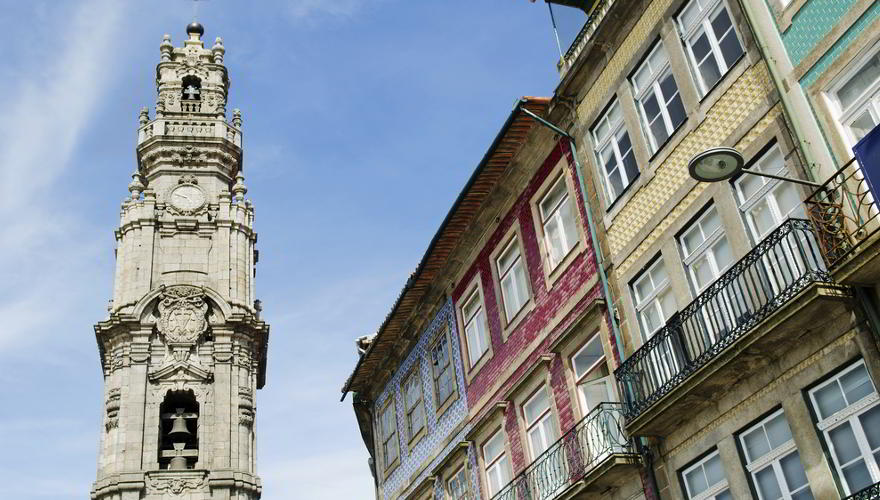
{"x": 175, "y": 483}
{"x": 246, "y": 407}
{"x": 112, "y": 405}
{"x": 182, "y": 315}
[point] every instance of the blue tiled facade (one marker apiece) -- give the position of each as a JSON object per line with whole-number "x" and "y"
{"x": 870, "y": 16}
{"x": 811, "y": 23}
{"x": 446, "y": 430}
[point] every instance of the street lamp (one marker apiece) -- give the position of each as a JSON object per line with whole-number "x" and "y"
{"x": 719, "y": 164}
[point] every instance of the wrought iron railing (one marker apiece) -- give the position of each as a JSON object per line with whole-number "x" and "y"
{"x": 777, "y": 269}
{"x": 843, "y": 212}
{"x": 870, "y": 493}
{"x": 590, "y": 442}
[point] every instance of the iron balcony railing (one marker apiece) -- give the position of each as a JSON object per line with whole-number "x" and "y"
{"x": 870, "y": 493}
{"x": 843, "y": 212}
{"x": 594, "y": 18}
{"x": 597, "y": 437}
{"x": 777, "y": 269}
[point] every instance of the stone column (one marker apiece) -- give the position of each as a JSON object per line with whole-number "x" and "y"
{"x": 810, "y": 449}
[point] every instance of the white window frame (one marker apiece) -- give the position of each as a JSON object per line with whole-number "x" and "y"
{"x": 713, "y": 490}
{"x": 653, "y": 87}
{"x": 615, "y": 132}
{"x": 510, "y": 273}
{"x": 869, "y": 99}
{"x": 410, "y": 406}
{"x": 555, "y": 217}
{"x": 849, "y": 414}
{"x": 706, "y": 247}
{"x": 704, "y": 22}
{"x": 541, "y": 422}
{"x": 497, "y": 463}
{"x": 767, "y": 192}
{"x": 478, "y": 346}
{"x": 652, "y": 300}
{"x": 437, "y": 371}
{"x": 461, "y": 476}
{"x": 772, "y": 458}
{"x": 389, "y": 435}
{"x": 581, "y": 378}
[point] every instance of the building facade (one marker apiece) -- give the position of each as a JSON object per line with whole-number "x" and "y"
{"x": 183, "y": 349}
{"x": 741, "y": 308}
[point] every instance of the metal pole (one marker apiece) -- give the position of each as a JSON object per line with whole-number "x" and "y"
{"x": 781, "y": 178}
{"x": 555, "y": 30}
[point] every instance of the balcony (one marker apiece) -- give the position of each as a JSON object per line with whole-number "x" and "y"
{"x": 185, "y": 127}
{"x": 845, "y": 217}
{"x": 728, "y": 329}
{"x": 870, "y": 493}
{"x": 595, "y": 16}
{"x": 592, "y": 456}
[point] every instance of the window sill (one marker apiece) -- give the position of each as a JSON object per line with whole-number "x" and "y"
{"x": 415, "y": 440}
{"x": 391, "y": 468}
{"x": 450, "y": 400}
{"x": 518, "y": 318}
{"x": 474, "y": 370}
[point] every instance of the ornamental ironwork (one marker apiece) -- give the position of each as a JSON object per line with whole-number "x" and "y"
{"x": 778, "y": 268}
{"x": 870, "y": 493}
{"x": 843, "y": 212}
{"x": 594, "y": 439}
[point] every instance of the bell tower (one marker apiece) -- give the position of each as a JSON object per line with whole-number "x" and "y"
{"x": 183, "y": 349}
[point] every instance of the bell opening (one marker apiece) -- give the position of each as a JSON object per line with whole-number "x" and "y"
{"x": 178, "y": 438}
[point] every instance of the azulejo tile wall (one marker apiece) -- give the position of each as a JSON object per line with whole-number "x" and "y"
{"x": 441, "y": 436}
{"x": 811, "y": 23}
{"x": 870, "y": 16}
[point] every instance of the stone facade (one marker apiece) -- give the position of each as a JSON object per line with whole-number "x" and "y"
{"x": 183, "y": 349}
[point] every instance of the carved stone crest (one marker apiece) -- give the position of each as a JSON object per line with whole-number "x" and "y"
{"x": 182, "y": 314}
{"x": 175, "y": 484}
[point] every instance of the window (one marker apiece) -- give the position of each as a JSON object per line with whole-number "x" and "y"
{"x": 475, "y": 327}
{"x": 457, "y": 486}
{"x": 441, "y": 368}
{"x": 707, "y": 254}
{"x": 712, "y": 42}
{"x": 414, "y": 403}
{"x": 558, "y": 221}
{"x": 767, "y": 203}
{"x": 849, "y": 419}
{"x": 539, "y": 422}
{"x": 512, "y": 275}
{"x": 706, "y": 251}
{"x": 654, "y": 300}
{"x": 858, "y": 98}
{"x": 388, "y": 424}
{"x": 773, "y": 462}
{"x": 594, "y": 382}
{"x": 495, "y": 458}
{"x": 614, "y": 152}
{"x": 706, "y": 479}
{"x": 657, "y": 94}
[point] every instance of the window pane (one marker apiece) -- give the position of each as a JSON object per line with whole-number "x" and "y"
{"x": 710, "y": 72}
{"x": 536, "y": 406}
{"x": 445, "y": 384}
{"x": 788, "y": 199}
{"x": 552, "y": 199}
{"x": 471, "y": 305}
{"x": 749, "y": 185}
{"x": 630, "y": 166}
{"x": 857, "y": 476}
{"x": 756, "y": 444}
{"x": 724, "y": 495}
{"x": 871, "y": 425}
{"x": 602, "y": 130}
{"x": 767, "y": 485}
{"x": 658, "y": 129}
{"x": 569, "y": 226}
{"x": 642, "y": 77}
{"x": 658, "y": 59}
{"x": 652, "y": 319}
{"x": 714, "y": 470}
{"x": 863, "y": 124}
{"x": 690, "y": 15}
{"x": 829, "y": 399}
{"x": 845, "y": 446}
{"x": 652, "y": 108}
{"x": 856, "y": 384}
{"x": 793, "y": 471}
{"x": 778, "y": 431}
{"x": 474, "y": 339}
{"x": 731, "y": 50}
{"x": 721, "y": 23}
{"x": 676, "y": 111}
{"x": 667, "y": 304}
{"x": 587, "y": 356}
{"x": 696, "y": 481}
{"x": 511, "y": 253}
{"x": 417, "y": 420}
{"x": 852, "y": 89}
{"x": 703, "y": 274}
{"x": 762, "y": 218}
{"x": 493, "y": 447}
{"x": 723, "y": 254}
{"x": 700, "y": 46}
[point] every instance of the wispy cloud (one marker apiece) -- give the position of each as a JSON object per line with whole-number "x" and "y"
{"x": 303, "y": 9}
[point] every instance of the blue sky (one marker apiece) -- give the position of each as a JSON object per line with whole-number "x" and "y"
{"x": 362, "y": 121}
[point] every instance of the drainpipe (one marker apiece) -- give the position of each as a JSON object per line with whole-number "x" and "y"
{"x": 796, "y": 107}
{"x": 593, "y": 235}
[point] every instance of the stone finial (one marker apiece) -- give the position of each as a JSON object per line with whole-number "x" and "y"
{"x": 144, "y": 116}
{"x": 136, "y": 187}
{"x": 236, "y": 117}
{"x": 239, "y": 189}
{"x": 166, "y": 47}
{"x": 218, "y": 51}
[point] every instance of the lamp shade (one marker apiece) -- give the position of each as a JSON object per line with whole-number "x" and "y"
{"x": 716, "y": 164}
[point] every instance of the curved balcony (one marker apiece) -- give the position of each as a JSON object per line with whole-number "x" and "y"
{"x": 870, "y": 493}
{"x": 588, "y": 456}
{"x": 742, "y": 302}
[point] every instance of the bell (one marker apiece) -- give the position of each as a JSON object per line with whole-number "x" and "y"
{"x": 178, "y": 463}
{"x": 178, "y": 429}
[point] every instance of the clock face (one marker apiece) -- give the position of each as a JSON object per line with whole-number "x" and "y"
{"x": 187, "y": 197}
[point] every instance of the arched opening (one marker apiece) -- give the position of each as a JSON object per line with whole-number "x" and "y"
{"x": 192, "y": 89}
{"x": 178, "y": 431}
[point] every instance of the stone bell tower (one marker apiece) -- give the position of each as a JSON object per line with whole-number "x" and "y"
{"x": 183, "y": 349}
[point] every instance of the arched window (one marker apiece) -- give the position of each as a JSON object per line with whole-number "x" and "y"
{"x": 178, "y": 437}
{"x": 192, "y": 89}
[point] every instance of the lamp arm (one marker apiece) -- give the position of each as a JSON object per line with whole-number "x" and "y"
{"x": 781, "y": 178}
